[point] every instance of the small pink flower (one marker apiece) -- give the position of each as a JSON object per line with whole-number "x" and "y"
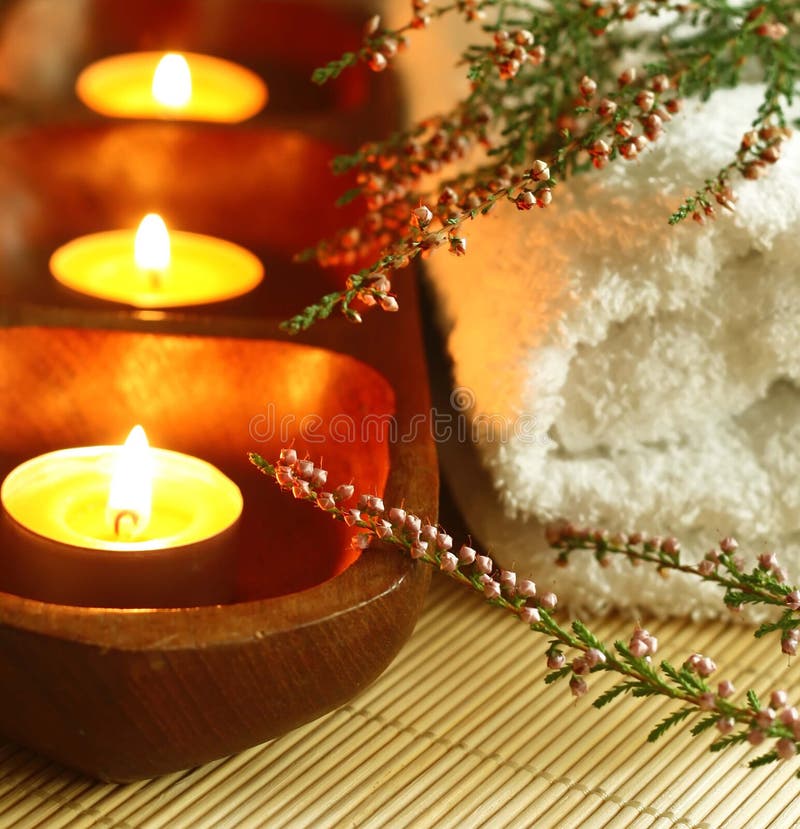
{"x": 725, "y": 688}
{"x": 671, "y": 546}
{"x": 525, "y": 200}
{"x": 765, "y": 717}
{"x": 638, "y": 648}
{"x": 288, "y": 457}
{"x": 587, "y": 86}
{"x": 526, "y": 588}
{"x": 444, "y": 541}
{"x": 491, "y": 590}
{"x": 418, "y": 549}
{"x": 548, "y": 601}
{"x": 483, "y": 564}
{"x": 458, "y": 245}
{"x": 377, "y": 61}
{"x": 725, "y": 725}
{"x": 389, "y": 303}
{"x": 539, "y": 171}
{"x": 580, "y": 666}
{"x": 413, "y": 526}
{"x": 530, "y": 615}
{"x": 344, "y": 492}
{"x": 789, "y": 715}
{"x": 780, "y": 574}
{"x": 466, "y": 554}
{"x": 793, "y": 600}
{"x": 578, "y": 686}
{"x": 397, "y": 516}
{"x": 448, "y": 563}
{"x": 319, "y": 478}
{"x": 300, "y": 489}
{"x": 594, "y": 656}
{"x": 778, "y": 699}
{"x": 362, "y": 541}
{"x": 305, "y": 468}
{"x": 728, "y": 545}
{"x": 627, "y": 77}
{"x": 789, "y": 645}
{"x": 767, "y": 561}
{"x": 607, "y": 108}
{"x": 706, "y": 568}
{"x": 375, "y": 504}
{"x": 428, "y": 532}
{"x": 284, "y": 476}
{"x": 383, "y": 529}
{"x": 352, "y": 517}
{"x": 786, "y": 748}
{"x": 326, "y": 501}
{"x": 421, "y": 216}
{"x": 706, "y": 666}
{"x": 755, "y": 737}
{"x": 707, "y": 701}
{"x": 556, "y": 660}
{"x": 508, "y": 580}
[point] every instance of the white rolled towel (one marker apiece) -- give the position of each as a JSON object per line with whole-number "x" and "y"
{"x": 661, "y": 365}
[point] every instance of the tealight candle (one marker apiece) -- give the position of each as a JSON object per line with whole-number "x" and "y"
{"x": 129, "y": 526}
{"x": 156, "y": 268}
{"x": 184, "y": 86}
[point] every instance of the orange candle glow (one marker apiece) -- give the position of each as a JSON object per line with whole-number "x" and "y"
{"x": 119, "y": 526}
{"x": 155, "y": 268}
{"x": 184, "y": 86}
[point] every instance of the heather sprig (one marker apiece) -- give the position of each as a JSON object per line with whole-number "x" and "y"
{"x": 551, "y": 84}
{"x": 765, "y": 584}
{"x": 574, "y": 652}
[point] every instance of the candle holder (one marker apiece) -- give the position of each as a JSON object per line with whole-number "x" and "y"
{"x": 129, "y": 694}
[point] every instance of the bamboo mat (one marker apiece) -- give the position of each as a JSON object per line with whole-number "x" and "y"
{"x": 459, "y": 732}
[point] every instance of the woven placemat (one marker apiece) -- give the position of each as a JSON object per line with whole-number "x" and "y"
{"x": 459, "y": 732}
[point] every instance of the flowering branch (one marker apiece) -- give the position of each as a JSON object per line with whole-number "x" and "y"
{"x": 765, "y": 584}
{"x": 546, "y": 88}
{"x": 751, "y": 721}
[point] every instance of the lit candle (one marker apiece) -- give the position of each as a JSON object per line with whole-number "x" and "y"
{"x": 179, "y": 86}
{"x": 126, "y": 526}
{"x": 156, "y": 268}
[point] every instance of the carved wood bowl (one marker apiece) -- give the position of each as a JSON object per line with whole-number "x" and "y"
{"x": 130, "y": 694}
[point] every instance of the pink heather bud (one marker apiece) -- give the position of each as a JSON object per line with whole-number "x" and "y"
{"x": 773, "y": 31}
{"x": 484, "y": 578}
{"x": 580, "y": 666}
{"x": 444, "y": 541}
{"x": 789, "y": 715}
{"x": 344, "y": 492}
{"x": 725, "y": 725}
{"x": 578, "y": 686}
{"x": 421, "y": 216}
{"x": 707, "y": 701}
{"x": 524, "y": 38}
{"x": 383, "y": 529}
{"x": 640, "y": 142}
{"x": 548, "y": 601}
{"x": 645, "y": 100}
{"x": 325, "y": 501}
{"x": 544, "y": 197}
{"x": 466, "y": 554}
{"x": 627, "y": 77}
{"x": 363, "y": 502}
{"x": 539, "y": 171}
{"x": 284, "y": 476}
{"x": 428, "y": 532}
{"x": 508, "y": 69}
{"x": 319, "y": 478}
{"x": 624, "y": 129}
{"x": 389, "y": 303}
{"x": 501, "y": 37}
{"x": 352, "y": 517}
{"x": 362, "y": 541}
{"x": 491, "y": 590}
{"x": 792, "y": 600}
{"x": 448, "y": 196}
{"x": 725, "y": 688}
{"x": 789, "y": 646}
{"x": 483, "y": 564}
{"x": 458, "y": 245}
{"x": 418, "y": 549}
{"x": 389, "y": 47}
{"x": 693, "y": 661}
{"x": 712, "y": 556}
{"x": 780, "y": 574}
{"x": 599, "y": 148}
{"x": 786, "y": 748}
{"x": 530, "y": 615}
{"x": 372, "y": 25}
{"x": 448, "y": 563}
{"x": 525, "y": 200}
{"x": 670, "y": 546}
{"x": 555, "y": 660}
{"x": 660, "y": 83}
{"x": 397, "y": 516}
{"x": 587, "y": 86}
{"x": 594, "y": 657}
{"x": 767, "y": 561}
{"x": 526, "y": 588}
{"x": 728, "y": 545}
{"x": 778, "y": 699}
{"x": 706, "y": 568}
{"x": 638, "y": 648}
{"x": 382, "y": 285}
{"x": 508, "y": 579}
{"x": 607, "y": 108}
{"x": 765, "y": 717}
{"x": 377, "y": 61}
{"x": 755, "y": 737}
{"x": 300, "y": 489}
{"x": 706, "y": 666}
{"x": 288, "y": 457}
{"x": 413, "y": 526}
{"x": 376, "y": 504}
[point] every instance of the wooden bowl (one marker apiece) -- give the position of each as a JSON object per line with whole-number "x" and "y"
{"x": 130, "y": 694}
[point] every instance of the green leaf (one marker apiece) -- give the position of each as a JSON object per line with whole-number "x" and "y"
{"x": 348, "y": 196}
{"x": 668, "y": 722}
{"x": 611, "y": 694}
{"x": 704, "y": 724}
{"x": 559, "y": 674}
{"x": 753, "y": 700}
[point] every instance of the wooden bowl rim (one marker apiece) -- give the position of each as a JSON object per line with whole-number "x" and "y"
{"x": 374, "y": 574}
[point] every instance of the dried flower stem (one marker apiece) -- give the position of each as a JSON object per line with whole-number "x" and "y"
{"x": 750, "y": 722}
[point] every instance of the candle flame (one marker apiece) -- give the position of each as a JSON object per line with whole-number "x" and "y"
{"x": 172, "y": 81}
{"x": 151, "y": 248}
{"x": 130, "y": 495}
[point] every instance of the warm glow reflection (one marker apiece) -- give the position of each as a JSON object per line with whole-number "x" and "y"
{"x": 130, "y": 494}
{"x": 151, "y": 248}
{"x": 172, "y": 81}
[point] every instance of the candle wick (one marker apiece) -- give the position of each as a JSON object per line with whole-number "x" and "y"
{"x": 125, "y": 523}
